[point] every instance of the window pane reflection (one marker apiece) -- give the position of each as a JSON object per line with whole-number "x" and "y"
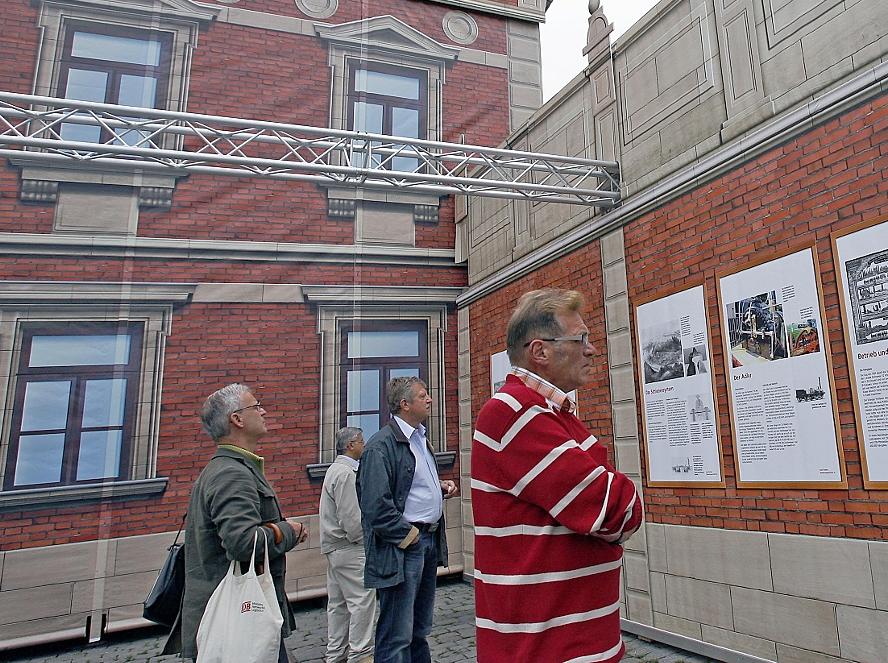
{"x": 39, "y": 459}
{"x": 392, "y": 85}
{"x": 368, "y": 423}
{"x": 403, "y": 373}
{"x": 114, "y": 48}
{"x": 46, "y": 406}
{"x": 104, "y": 403}
{"x": 99, "y": 455}
{"x": 86, "y": 85}
{"x": 362, "y": 390}
{"x": 79, "y": 350}
{"x": 383, "y": 344}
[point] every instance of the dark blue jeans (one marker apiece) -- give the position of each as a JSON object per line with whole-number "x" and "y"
{"x": 405, "y": 610}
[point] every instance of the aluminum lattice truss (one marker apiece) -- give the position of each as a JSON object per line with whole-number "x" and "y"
{"x": 147, "y": 139}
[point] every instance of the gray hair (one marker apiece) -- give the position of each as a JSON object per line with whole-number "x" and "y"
{"x": 399, "y": 389}
{"x": 216, "y": 411}
{"x": 344, "y": 436}
{"x": 535, "y": 316}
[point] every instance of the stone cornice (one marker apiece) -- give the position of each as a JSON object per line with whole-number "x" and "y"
{"x": 17, "y": 244}
{"x": 169, "y": 9}
{"x": 783, "y": 128}
{"x": 405, "y": 294}
{"x": 94, "y": 292}
{"x": 536, "y": 16}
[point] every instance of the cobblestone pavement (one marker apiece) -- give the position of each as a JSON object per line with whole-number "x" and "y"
{"x": 452, "y": 639}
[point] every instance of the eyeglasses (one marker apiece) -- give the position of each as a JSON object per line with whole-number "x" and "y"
{"x": 257, "y": 405}
{"x": 579, "y": 338}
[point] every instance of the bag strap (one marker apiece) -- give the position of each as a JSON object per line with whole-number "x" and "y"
{"x": 181, "y": 525}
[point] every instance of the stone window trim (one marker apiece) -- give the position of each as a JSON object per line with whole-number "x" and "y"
{"x": 385, "y": 41}
{"x": 414, "y": 304}
{"x": 78, "y": 377}
{"x": 49, "y": 302}
{"x": 180, "y": 21}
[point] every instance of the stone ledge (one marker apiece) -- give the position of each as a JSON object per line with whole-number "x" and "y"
{"x": 43, "y": 497}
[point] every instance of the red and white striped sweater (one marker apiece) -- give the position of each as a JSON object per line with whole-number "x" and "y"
{"x": 550, "y": 513}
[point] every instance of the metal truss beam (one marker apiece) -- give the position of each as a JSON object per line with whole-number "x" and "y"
{"x": 156, "y": 140}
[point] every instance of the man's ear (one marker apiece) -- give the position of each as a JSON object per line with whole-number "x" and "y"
{"x": 236, "y": 420}
{"x": 537, "y": 352}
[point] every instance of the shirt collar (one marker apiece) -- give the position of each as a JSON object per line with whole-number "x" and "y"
{"x": 407, "y": 429}
{"x": 545, "y": 389}
{"x": 258, "y": 461}
{"x": 348, "y": 460}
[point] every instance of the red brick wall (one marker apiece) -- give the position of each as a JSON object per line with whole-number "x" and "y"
{"x": 826, "y": 180}
{"x": 275, "y": 349}
{"x": 267, "y": 75}
{"x": 830, "y": 178}
{"x": 488, "y": 317}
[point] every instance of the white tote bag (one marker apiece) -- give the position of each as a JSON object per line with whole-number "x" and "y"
{"x": 242, "y": 621}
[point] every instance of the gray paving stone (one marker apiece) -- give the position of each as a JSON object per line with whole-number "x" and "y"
{"x": 452, "y": 639}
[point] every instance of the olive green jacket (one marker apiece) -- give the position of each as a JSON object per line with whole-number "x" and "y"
{"x": 230, "y": 500}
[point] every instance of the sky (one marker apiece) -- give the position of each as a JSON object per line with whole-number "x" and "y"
{"x": 564, "y": 36}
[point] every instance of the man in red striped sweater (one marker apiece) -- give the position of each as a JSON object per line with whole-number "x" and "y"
{"x": 550, "y": 512}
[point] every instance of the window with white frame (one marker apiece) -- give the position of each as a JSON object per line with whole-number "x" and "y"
{"x": 74, "y": 407}
{"x": 371, "y": 354}
{"x": 84, "y": 367}
{"x": 114, "y": 65}
{"x": 383, "y": 99}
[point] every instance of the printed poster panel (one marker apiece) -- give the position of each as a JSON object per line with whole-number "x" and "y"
{"x": 863, "y": 272}
{"x": 680, "y": 418}
{"x": 499, "y": 369}
{"x": 778, "y": 374}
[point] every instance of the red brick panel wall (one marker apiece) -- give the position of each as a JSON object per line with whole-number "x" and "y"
{"x": 267, "y": 75}
{"x": 275, "y": 349}
{"x": 828, "y": 179}
{"x": 489, "y": 316}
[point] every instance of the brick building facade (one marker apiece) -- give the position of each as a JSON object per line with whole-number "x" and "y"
{"x": 744, "y": 130}
{"x": 126, "y": 296}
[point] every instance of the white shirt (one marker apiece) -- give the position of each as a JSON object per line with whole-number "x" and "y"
{"x": 425, "y": 501}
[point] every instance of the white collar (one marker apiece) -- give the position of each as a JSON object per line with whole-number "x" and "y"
{"x": 407, "y": 429}
{"x": 348, "y": 460}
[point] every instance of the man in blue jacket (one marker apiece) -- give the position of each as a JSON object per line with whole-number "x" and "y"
{"x": 402, "y": 509}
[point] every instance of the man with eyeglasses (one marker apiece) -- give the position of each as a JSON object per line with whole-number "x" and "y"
{"x": 230, "y": 501}
{"x": 550, "y": 512}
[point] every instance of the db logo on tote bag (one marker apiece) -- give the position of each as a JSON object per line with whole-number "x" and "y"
{"x": 242, "y": 622}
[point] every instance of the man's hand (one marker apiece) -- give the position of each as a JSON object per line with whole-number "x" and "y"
{"x": 300, "y": 529}
{"x": 449, "y": 488}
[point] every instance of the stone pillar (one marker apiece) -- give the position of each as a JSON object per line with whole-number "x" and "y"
{"x": 636, "y": 577}
{"x": 464, "y": 368}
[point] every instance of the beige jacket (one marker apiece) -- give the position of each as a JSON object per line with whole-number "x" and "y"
{"x": 340, "y": 515}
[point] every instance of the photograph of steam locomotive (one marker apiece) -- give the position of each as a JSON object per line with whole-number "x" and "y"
{"x": 757, "y": 329}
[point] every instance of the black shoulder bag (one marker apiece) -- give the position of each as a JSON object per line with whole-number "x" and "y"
{"x": 165, "y": 598}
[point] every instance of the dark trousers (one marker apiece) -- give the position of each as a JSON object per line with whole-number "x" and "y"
{"x": 283, "y": 656}
{"x": 405, "y": 610}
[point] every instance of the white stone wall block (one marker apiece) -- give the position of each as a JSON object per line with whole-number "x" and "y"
{"x": 699, "y": 601}
{"x": 635, "y": 571}
{"x": 738, "y": 642}
{"x": 677, "y": 625}
{"x": 835, "y": 570}
{"x": 863, "y": 633}
{"x": 791, "y": 620}
{"x": 656, "y": 540}
{"x": 727, "y": 556}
